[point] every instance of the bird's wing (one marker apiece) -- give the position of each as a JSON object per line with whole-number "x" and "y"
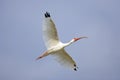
{"x": 49, "y": 32}
{"x": 64, "y": 59}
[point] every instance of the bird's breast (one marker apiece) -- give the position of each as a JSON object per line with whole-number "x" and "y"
{"x": 55, "y": 48}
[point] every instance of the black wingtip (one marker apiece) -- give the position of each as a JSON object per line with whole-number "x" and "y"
{"x": 47, "y": 14}
{"x": 75, "y": 69}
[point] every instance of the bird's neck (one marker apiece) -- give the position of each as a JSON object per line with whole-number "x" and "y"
{"x": 69, "y": 43}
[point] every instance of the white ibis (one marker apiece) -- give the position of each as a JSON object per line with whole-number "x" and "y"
{"x": 54, "y": 46}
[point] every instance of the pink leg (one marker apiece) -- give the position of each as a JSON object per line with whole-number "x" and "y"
{"x": 43, "y": 55}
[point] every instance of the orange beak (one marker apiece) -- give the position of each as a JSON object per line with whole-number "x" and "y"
{"x": 76, "y": 39}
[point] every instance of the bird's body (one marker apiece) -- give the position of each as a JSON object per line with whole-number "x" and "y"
{"x": 54, "y": 46}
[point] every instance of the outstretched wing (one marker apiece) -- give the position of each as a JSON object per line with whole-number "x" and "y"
{"x": 49, "y": 32}
{"x": 64, "y": 59}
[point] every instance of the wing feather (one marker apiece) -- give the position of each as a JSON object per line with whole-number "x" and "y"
{"x": 64, "y": 59}
{"x": 49, "y": 33}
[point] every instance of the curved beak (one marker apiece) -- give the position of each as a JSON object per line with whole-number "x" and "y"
{"x": 76, "y": 39}
{"x": 83, "y": 37}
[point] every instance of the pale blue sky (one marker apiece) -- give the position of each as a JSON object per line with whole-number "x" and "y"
{"x": 98, "y": 57}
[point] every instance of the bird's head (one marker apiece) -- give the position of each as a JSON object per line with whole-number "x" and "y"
{"x": 76, "y": 39}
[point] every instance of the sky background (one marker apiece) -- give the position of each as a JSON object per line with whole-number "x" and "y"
{"x": 97, "y": 57}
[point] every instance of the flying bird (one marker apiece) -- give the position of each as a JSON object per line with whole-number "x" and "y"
{"x": 54, "y": 46}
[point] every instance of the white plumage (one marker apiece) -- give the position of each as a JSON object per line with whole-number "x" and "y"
{"x": 54, "y": 46}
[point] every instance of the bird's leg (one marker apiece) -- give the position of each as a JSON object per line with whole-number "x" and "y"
{"x": 43, "y": 55}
